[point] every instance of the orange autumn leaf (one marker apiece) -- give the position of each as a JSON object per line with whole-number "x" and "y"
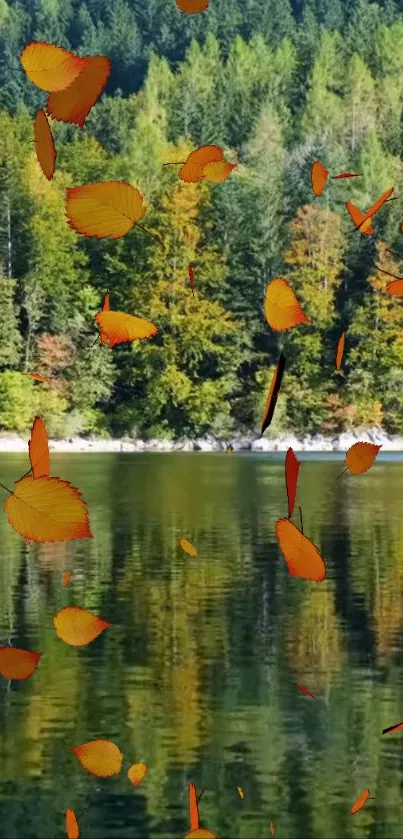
{"x": 340, "y": 350}
{"x": 44, "y": 144}
{"x": 192, "y": 170}
{"x": 18, "y": 664}
{"x": 66, "y": 578}
{"x": 302, "y": 557}
{"x": 218, "y": 172}
{"x": 273, "y": 393}
{"x": 108, "y": 208}
{"x": 240, "y": 792}
{"x": 136, "y": 773}
{"x": 395, "y": 288}
{"x": 281, "y": 306}
{"x": 292, "y": 465}
{"x": 319, "y": 175}
{"x": 359, "y": 803}
{"x": 272, "y": 828}
{"x": 119, "y": 328}
{"x": 360, "y": 457}
{"x": 50, "y": 67}
{"x": 100, "y": 757}
{"x": 75, "y": 102}
{"x": 192, "y": 7}
{"x": 201, "y": 833}
{"x": 187, "y": 547}
{"x": 106, "y": 304}
{"x": 191, "y": 278}
{"x": 72, "y": 829}
{"x": 346, "y": 175}
{"x": 193, "y": 808}
{"x": 77, "y": 626}
{"x": 304, "y": 690}
{"x": 376, "y": 206}
{"x": 392, "y": 728}
{"x": 39, "y": 450}
{"x": 38, "y": 377}
{"x": 358, "y": 217}
{"x": 47, "y": 510}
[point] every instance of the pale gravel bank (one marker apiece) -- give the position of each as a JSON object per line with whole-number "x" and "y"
{"x": 252, "y": 442}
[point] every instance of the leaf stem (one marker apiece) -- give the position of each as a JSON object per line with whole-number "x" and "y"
{"x": 153, "y": 236}
{"x": 6, "y": 488}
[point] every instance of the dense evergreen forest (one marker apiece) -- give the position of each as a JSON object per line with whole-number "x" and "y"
{"x": 277, "y": 85}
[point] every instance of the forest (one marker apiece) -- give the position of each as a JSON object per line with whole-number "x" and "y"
{"x": 277, "y": 86}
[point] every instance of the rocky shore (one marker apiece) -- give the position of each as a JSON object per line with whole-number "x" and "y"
{"x": 252, "y": 442}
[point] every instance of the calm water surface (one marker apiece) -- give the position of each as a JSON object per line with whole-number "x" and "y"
{"x": 196, "y": 676}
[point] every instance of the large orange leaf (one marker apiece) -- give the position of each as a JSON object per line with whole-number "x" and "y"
{"x": 201, "y": 833}
{"x": 47, "y": 510}
{"x": 100, "y": 757}
{"x": 136, "y": 773}
{"x": 340, "y": 350}
{"x": 50, "y": 67}
{"x": 192, "y": 7}
{"x": 108, "y": 208}
{"x": 291, "y": 477}
{"x": 302, "y": 557}
{"x": 359, "y": 219}
{"x": 18, "y": 664}
{"x": 39, "y": 450}
{"x": 281, "y": 306}
{"x": 187, "y": 547}
{"x": 218, "y": 172}
{"x": 44, "y": 145}
{"x": 75, "y": 103}
{"x": 360, "y": 802}
{"x": 118, "y": 327}
{"x": 192, "y": 170}
{"x": 360, "y": 457}
{"x": 273, "y": 393}
{"x": 72, "y": 828}
{"x": 319, "y": 175}
{"x": 77, "y": 626}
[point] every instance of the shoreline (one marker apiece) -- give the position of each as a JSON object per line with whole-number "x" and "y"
{"x": 252, "y": 442}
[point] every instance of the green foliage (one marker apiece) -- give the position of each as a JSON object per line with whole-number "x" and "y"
{"x": 17, "y": 401}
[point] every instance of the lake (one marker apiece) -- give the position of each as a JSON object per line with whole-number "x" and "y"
{"x": 196, "y": 676}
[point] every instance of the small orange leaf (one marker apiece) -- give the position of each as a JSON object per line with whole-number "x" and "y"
{"x": 118, "y": 327}
{"x": 340, "y": 350}
{"x": 75, "y": 102}
{"x": 72, "y": 829}
{"x": 38, "y": 378}
{"x": 358, "y": 217}
{"x": 193, "y": 808}
{"x": 18, "y": 664}
{"x": 292, "y": 465}
{"x": 302, "y": 557}
{"x": 108, "y": 208}
{"x": 106, "y": 304}
{"x": 240, "y": 792}
{"x": 347, "y": 175}
{"x": 273, "y": 393}
{"x": 192, "y": 7}
{"x": 66, "y": 578}
{"x": 218, "y": 172}
{"x": 44, "y": 144}
{"x": 136, "y": 773}
{"x": 375, "y": 207}
{"x": 39, "y": 450}
{"x": 392, "y": 728}
{"x": 319, "y": 175}
{"x": 47, "y": 510}
{"x": 395, "y": 288}
{"x": 191, "y": 278}
{"x": 359, "y": 803}
{"x": 272, "y": 828}
{"x": 304, "y": 690}
{"x": 187, "y": 547}
{"x": 192, "y": 170}
{"x": 360, "y": 457}
{"x": 50, "y": 67}
{"x": 281, "y": 306}
{"x": 100, "y": 757}
{"x": 77, "y": 626}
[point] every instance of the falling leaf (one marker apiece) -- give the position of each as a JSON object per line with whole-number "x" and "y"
{"x": 392, "y": 728}
{"x": 136, "y": 773}
{"x": 118, "y": 327}
{"x": 346, "y": 175}
{"x": 191, "y": 278}
{"x": 358, "y": 217}
{"x": 66, "y": 578}
{"x": 272, "y": 828}
{"x": 100, "y": 757}
{"x": 47, "y": 510}
{"x": 281, "y": 306}
{"x": 272, "y": 396}
{"x": 192, "y": 7}
{"x": 72, "y": 828}
{"x": 318, "y": 177}
{"x": 108, "y": 208}
{"x": 44, "y": 144}
{"x": 340, "y": 350}
{"x": 39, "y": 450}
{"x": 18, "y": 664}
{"x": 38, "y": 377}
{"x": 376, "y": 206}
{"x": 106, "y": 304}
{"x": 201, "y": 833}
{"x": 77, "y": 626}
{"x": 302, "y": 557}
{"x": 193, "y": 808}
{"x": 395, "y": 288}
{"x": 360, "y": 457}
{"x": 240, "y": 792}
{"x": 188, "y": 547}
{"x": 218, "y": 172}
{"x": 359, "y": 803}
{"x": 50, "y": 67}
{"x": 304, "y": 690}
{"x": 192, "y": 170}
{"x": 75, "y": 102}
{"x": 292, "y": 465}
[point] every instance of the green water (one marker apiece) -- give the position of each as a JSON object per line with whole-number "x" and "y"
{"x": 196, "y": 676}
